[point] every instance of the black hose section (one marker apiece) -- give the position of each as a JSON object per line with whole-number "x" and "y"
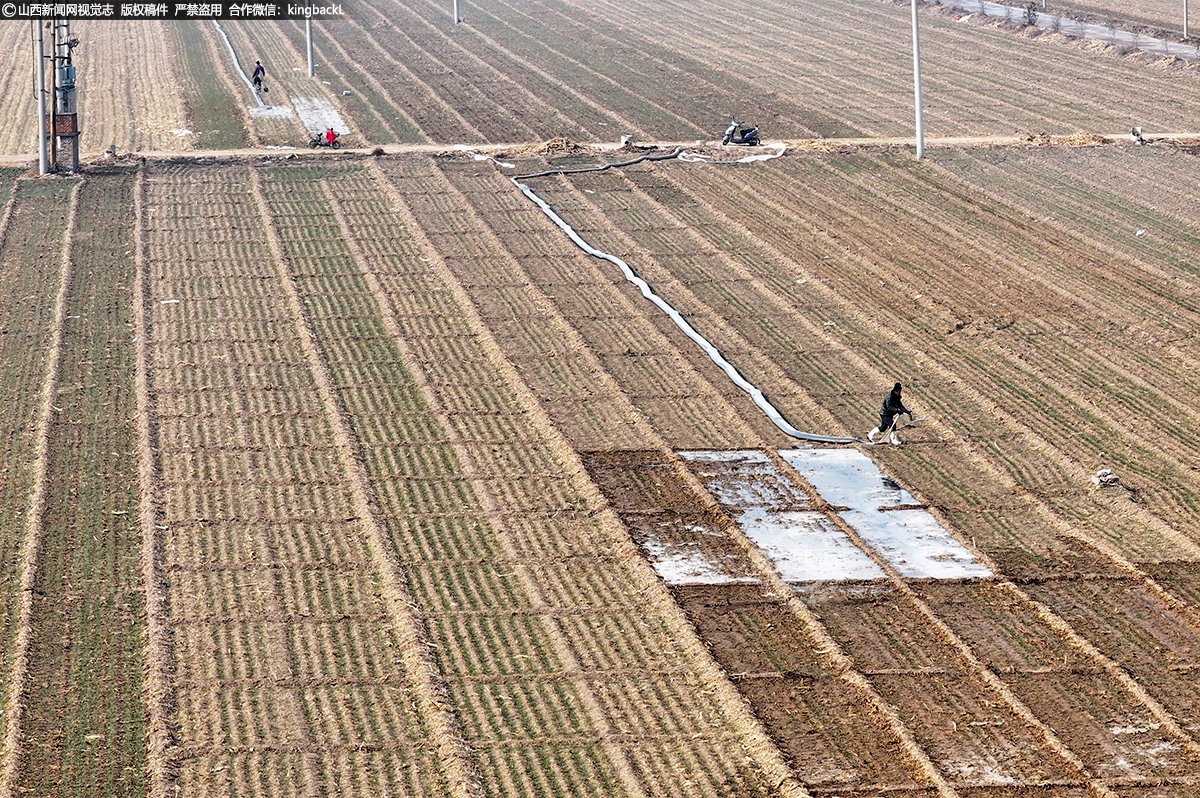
{"x": 601, "y": 168}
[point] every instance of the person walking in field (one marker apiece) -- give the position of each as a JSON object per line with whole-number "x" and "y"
{"x": 892, "y": 407}
{"x": 257, "y": 77}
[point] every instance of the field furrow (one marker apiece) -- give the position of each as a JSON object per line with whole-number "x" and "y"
{"x": 257, "y": 650}
{"x": 32, "y": 289}
{"x": 81, "y": 724}
{"x": 812, "y": 263}
{"x": 488, "y": 641}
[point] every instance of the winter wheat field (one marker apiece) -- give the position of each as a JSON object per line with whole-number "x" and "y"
{"x": 353, "y": 474}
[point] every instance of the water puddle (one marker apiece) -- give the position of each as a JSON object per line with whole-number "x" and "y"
{"x": 806, "y": 546}
{"x": 882, "y": 513}
{"x": 701, "y": 560}
{"x": 776, "y": 515}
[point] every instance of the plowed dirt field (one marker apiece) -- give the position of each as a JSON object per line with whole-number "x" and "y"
{"x": 392, "y": 475}
{"x": 412, "y": 467}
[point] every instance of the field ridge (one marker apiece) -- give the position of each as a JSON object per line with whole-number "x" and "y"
{"x": 463, "y": 779}
{"x": 34, "y": 525}
{"x": 158, "y": 691}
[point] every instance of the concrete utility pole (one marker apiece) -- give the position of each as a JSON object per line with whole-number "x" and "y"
{"x": 457, "y": 18}
{"x": 1185, "y": 20}
{"x": 917, "y": 84}
{"x": 39, "y": 89}
{"x": 308, "y": 33}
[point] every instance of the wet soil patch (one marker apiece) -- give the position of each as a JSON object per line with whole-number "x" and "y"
{"x": 748, "y": 632}
{"x": 968, "y": 730}
{"x": 1065, "y": 557}
{"x": 880, "y": 628}
{"x": 827, "y": 729}
{"x": 1102, "y": 724}
{"x": 685, "y": 542}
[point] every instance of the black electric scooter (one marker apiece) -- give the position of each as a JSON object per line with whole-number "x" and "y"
{"x": 747, "y": 135}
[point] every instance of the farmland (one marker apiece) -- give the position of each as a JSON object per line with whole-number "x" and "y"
{"x": 531, "y": 70}
{"x": 1157, "y": 18}
{"x": 351, "y": 474}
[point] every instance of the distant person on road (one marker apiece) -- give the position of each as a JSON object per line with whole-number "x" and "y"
{"x": 892, "y": 407}
{"x": 257, "y": 77}
{"x": 330, "y": 136}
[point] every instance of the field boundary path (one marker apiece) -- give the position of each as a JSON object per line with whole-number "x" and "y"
{"x": 1084, "y": 30}
{"x": 601, "y": 148}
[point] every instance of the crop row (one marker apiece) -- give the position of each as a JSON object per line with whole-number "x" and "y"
{"x": 847, "y": 325}
{"x": 295, "y": 543}
{"x": 490, "y": 639}
{"x": 58, "y": 533}
{"x": 31, "y": 244}
{"x": 85, "y": 614}
{"x": 315, "y": 591}
{"x": 275, "y": 622}
{"x": 268, "y": 773}
{"x": 895, "y": 643}
{"x": 283, "y": 465}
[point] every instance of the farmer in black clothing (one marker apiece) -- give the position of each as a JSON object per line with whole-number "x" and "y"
{"x": 892, "y": 407}
{"x": 257, "y": 77}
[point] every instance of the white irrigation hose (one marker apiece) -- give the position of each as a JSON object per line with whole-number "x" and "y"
{"x": 237, "y": 64}
{"x": 759, "y": 399}
{"x": 695, "y": 157}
